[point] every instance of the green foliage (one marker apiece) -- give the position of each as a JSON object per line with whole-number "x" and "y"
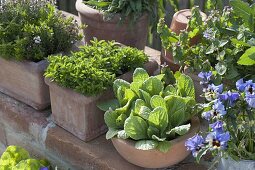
{"x": 93, "y": 69}
{"x": 226, "y": 41}
{"x": 32, "y": 30}
{"x": 131, "y": 9}
{"x": 149, "y": 112}
{"x": 17, "y": 158}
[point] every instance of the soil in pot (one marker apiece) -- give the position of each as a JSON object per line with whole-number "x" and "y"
{"x": 154, "y": 158}
{"x": 134, "y": 35}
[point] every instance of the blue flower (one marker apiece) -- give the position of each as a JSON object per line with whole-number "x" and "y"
{"x": 208, "y": 115}
{"x": 250, "y": 99}
{"x": 213, "y": 91}
{"x": 217, "y": 111}
{"x": 230, "y": 97}
{"x": 240, "y": 85}
{"x": 195, "y": 144}
{"x": 218, "y": 140}
{"x": 248, "y": 86}
{"x": 209, "y": 34}
{"x": 217, "y": 127}
{"x": 206, "y": 77}
{"x": 44, "y": 168}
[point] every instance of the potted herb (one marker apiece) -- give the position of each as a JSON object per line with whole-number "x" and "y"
{"x": 231, "y": 117}
{"x": 124, "y": 21}
{"x": 180, "y": 22}
{"x": 29, "y": 32}
{"x": 151, "y": 118}
{"x": 79, "y": 81}
{"x": 225, "y": 47}
{"x": 16, "y": 157}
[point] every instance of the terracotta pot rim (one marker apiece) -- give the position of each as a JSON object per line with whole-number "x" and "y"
{"x": 204, "y": 16}
{"x": 99, "y": 15}
{"x": 195, "y": 126}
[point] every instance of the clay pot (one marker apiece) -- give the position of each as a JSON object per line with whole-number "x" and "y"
{"x": 154, "y": 158}
{"x": 179, "y": 22}
{"x": 24, "y": 81}
{"x": 79, "y": 114}
{"x": 134, "y": 35}
{"x": 196, "y": 81}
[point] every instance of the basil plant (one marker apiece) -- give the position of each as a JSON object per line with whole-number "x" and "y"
{"x": 151, "y": 110}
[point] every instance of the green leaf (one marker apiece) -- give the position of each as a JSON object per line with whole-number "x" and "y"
{"x": 110, "y": 118}
{"x": 136, "y": 127}
{"x": 223, "y": 43}
{"x": 185, "y": 86}
{"x": 120, "y": 83}
{"x": 146, "y": 144}
{"x": 160, "y": 76}
{"x": 237, "y": 42}
{"x": 176, "y": 107}
{"x": 157, "y": 101}
{"x": 248, "y": 58}
{"x": 146, "y": 96}
{"x": 242, "y": 9}
{"x": 111, "y": 133}
{"x": 111, "y": 104}
{"x": 121, "y": 120}
{"x": 135, "y": 86}
{"x": 211, "y": 49}
{"x": 28, "y": 164}
{"x": 12, "y": 156}
{"x": 180, "y": 130}
{"x": 122, "y": 134}
{"x": 138, "y": 104}
{"x": 170, "y": 90}
{"x": 153, "y": 131}
{"x": 159, "y": 118}
{"x": 140, "y": 75}
{"x": 153, "y": 86}
{"x": 164, "y": 146}
{"x": 221, "y": 68}
{"x": 144, "y": 112}
{"x": 158, "y": 138}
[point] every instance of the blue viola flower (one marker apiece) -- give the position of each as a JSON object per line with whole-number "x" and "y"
{"x": 250, "y": 99}
{"x": 206, "y": 77}
{"x": 240, "y": 85}
{"x": 212, "y": 91}
{"x": 218, "y": 140}
{"x": 208, "y": 115}
{"x": 217, "y": 127}
{"x": 195, "y": 144}
{"x": 44, "y": 168}
{"x": 230, "y": 97}
{"x": 217, "y": 111}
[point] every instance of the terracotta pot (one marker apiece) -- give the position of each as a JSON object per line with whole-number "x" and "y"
{"x": 134, "y": 35}
{"x": 198, "y": 87}
{"x": 154, "y": 158}
{"x": 79, "y": 114}
{"x": 180, "y": 22}
{"x": 24, "y": 81}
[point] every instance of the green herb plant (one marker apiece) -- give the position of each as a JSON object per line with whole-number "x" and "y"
{"x": 149, "y": 110}
{"x": 226, "y": 42}
{"x": 32, "y": 30}
{"x": 93, "y": 69}
{"x": 131, "y": 9}
{"x": 17, "y": 158}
